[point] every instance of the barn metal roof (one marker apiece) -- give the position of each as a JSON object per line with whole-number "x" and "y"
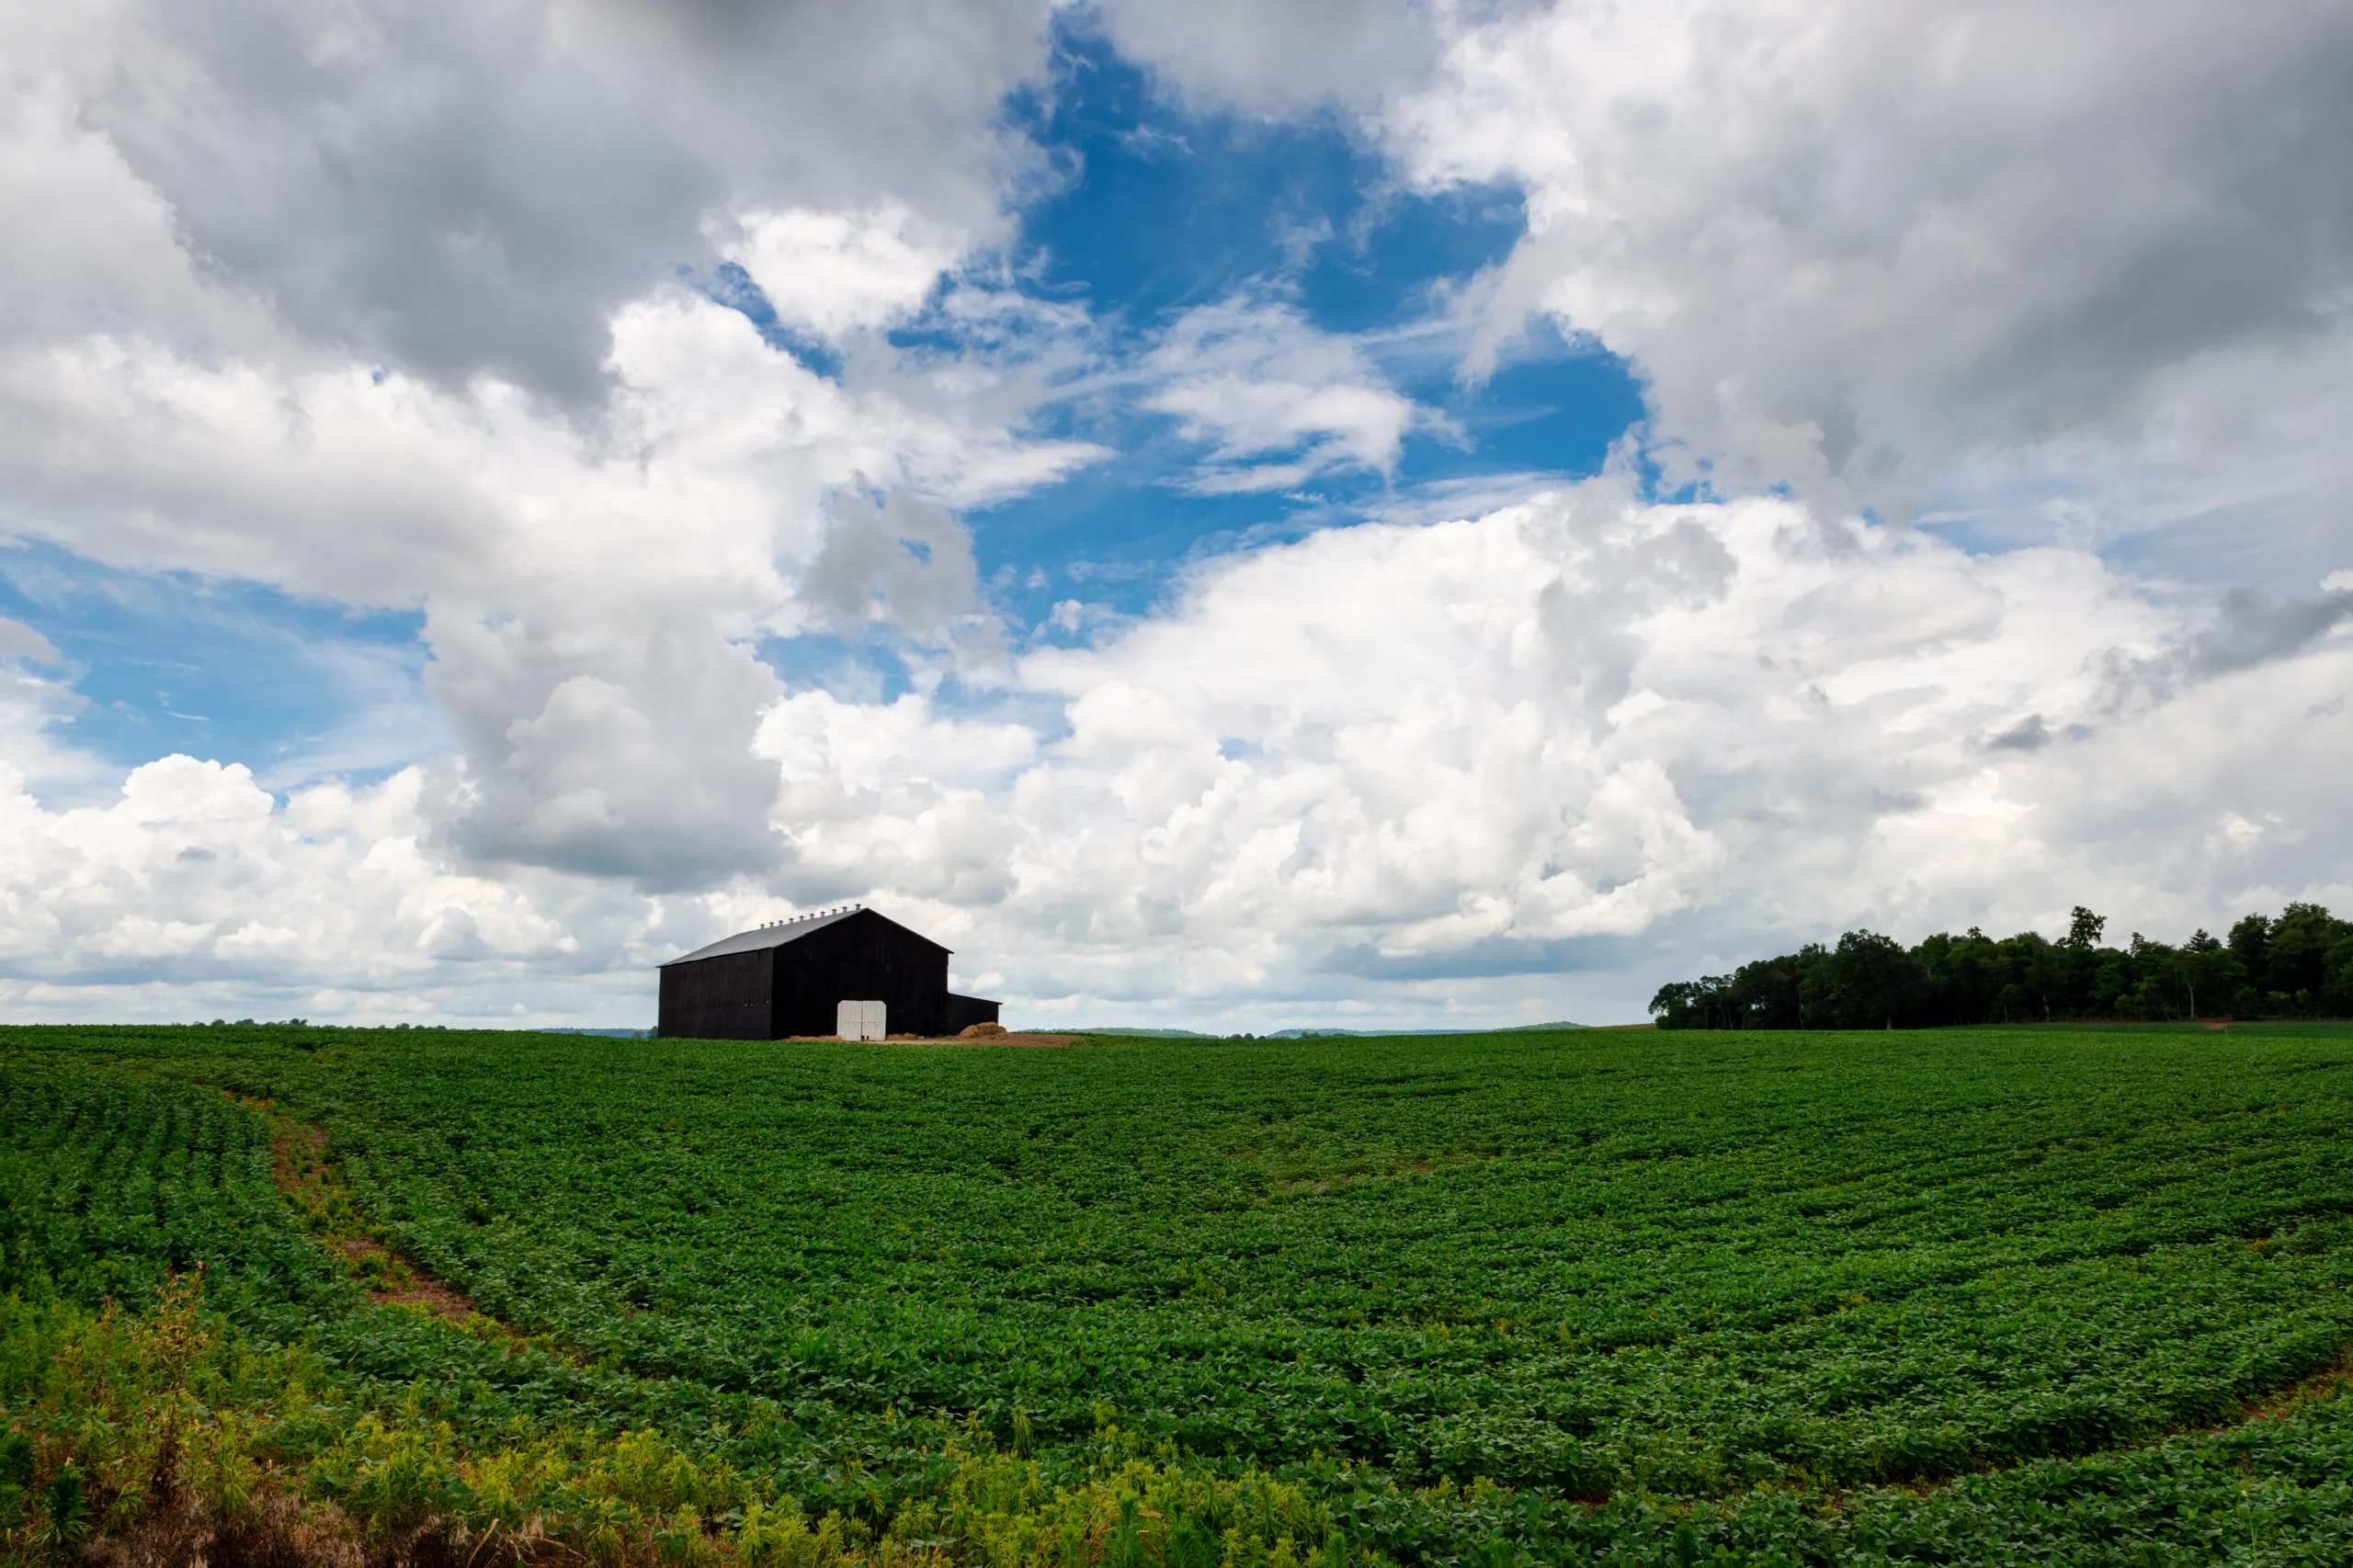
{"x": 779, "y": 933}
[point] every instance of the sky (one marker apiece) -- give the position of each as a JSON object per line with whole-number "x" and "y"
{"x": 1307, "y": 513}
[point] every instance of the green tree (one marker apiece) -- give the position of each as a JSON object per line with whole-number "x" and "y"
{"x": 2299, "y": 962}
{"x": 2297, "y": 956}
{"x": 2250, "y": 942}
{"x": 1675, "y": 1006}
{"x": 1869, "y": 982}
{"x": 2042, "y": 973}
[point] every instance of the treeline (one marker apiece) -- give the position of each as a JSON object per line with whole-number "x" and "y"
{"x": 2298, "y": 965}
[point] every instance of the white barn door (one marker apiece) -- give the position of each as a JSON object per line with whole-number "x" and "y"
{"x": 859, "y": 1020}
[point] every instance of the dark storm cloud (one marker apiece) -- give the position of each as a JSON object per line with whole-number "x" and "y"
{"x": 2253, "y": 630}
{"x": 2029, "y": 733}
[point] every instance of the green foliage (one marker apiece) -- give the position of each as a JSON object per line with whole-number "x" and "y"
{"x": 65, "y": 1513}
{"x": 16, "y": 1459}
{"x": 2299, "y": 966}
{"x": 1621, "y": 1297}
{"x": 15, "y": 1477}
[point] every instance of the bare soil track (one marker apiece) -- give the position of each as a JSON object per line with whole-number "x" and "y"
{"x": 303, "y": 1170}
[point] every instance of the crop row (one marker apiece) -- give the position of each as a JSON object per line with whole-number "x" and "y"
{"x": 1602, "y": 1272}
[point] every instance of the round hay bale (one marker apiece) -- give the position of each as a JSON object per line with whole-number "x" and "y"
{"x": 981, "y": 1031}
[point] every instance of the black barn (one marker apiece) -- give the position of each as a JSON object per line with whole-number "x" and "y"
{"x": 789, "y": 978}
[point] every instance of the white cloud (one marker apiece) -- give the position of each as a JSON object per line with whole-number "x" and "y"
{"x": 18, "y": 641}
{"x": 469, "y": 188}
{"x": 1276, "y": 57}
{"x": 1523, "y": 764}
{"x": 36, "y": 700}
{"x": 1476, "y": 743}
{"x": 1277, "y": 401}
{"x": 195, "y": 894}
{"x": 2237, "y": 476}
{"x": 833, "y": 273}
{"x": 1851, "y": 245}
{"x": 196, "y": 886}
{"x": 591, "y": 595}
{"x": 2041, "y": 265}
{"x": 896, "y": 796}
{"x": 906, "y": 561}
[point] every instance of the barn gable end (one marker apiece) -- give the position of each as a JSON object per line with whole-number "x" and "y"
{"x": 726, "y": 997}
{"x": 792, "y": 978}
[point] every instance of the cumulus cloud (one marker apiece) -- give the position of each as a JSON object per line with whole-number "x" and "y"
{"x": 629, "y": 757}
{"x": 585, "y": 603}
{"x": 2248, "y": 629}
{"x": 393, "y": 305}
{"x": 833, "y": 273}
{"x": 2237, "y": 476}
{"x": 1528, "y": 760}
{"x": 1475, "y": 744}
{"x": 1382, "y": 761}
{"x": 194, "y": 892}
{"x": 900, "y": 796}
{"x": 196, "y": 883}
{"x": 2253, "y": 630}
{"x": 1479, "y": 742}
{"x": 1850, "y": 245}
{"x": 1490, "y": 746}
{"x": 590, "y": 595}
{"x": 475, "y": 188}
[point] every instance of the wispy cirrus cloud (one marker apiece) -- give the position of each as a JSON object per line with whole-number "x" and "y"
{"x": 1277, "y": 401}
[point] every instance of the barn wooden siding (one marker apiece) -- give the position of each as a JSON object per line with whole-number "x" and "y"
{"x": 864, "y": 957}
{"x": 963, "y": 1012}
{"x": 721, "y": 998}
{"x": 795, "y": 977}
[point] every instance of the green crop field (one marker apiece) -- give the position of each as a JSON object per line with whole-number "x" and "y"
{"x": 2064, "y": 1296}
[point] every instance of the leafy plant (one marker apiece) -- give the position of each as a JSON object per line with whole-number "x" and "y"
{"x": 1761, "y": 1298}
{"x": 66, "y": 1512}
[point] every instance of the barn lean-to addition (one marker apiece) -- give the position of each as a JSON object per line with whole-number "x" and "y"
{"x": 792, "y": 977}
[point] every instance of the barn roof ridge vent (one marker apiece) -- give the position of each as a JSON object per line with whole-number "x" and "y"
{"x": 777, "y": 933}
{"x": 812, "y": 914}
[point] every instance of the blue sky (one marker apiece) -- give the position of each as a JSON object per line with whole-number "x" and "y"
{"x": 1162, "y": 210}
{"x": 300, "y": 689}
{"x": 1328, "y": 514}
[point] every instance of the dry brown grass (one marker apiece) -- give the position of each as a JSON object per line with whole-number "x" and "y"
{"x": 277, "y": 1529}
